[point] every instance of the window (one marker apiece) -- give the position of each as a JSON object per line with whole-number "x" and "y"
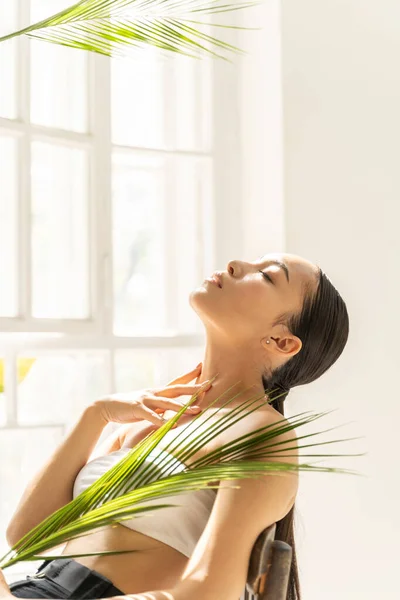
{"x": 109, "y": 171}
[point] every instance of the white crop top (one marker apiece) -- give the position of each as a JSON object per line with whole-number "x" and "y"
{"x": 177, "y": 526}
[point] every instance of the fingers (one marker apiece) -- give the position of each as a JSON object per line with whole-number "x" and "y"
{"x": 158, "y": 419}
{"x": 184, "y": 390}
{"x": 164, "y": 404}
{"x": 152, "y": 416}
{"x": 188, "y": 377}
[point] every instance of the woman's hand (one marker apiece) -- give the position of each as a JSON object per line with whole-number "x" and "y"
{"x": 150, "y": 403}
{"x": 5, "y": 591}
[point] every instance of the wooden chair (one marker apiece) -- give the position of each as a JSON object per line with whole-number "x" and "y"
{"x": 269, "y": 568}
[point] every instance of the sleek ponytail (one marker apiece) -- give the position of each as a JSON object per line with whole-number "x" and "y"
{"x": 323, "y": 327}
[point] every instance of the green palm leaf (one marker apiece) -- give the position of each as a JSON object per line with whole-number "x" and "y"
{"x": 107, "y": 500}
{"x": 113, "y": 27}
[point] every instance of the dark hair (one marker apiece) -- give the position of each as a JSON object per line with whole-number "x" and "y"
{"x": 323, "y": 327}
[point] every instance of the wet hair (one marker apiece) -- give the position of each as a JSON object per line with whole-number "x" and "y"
{"x": 323, "y": 327}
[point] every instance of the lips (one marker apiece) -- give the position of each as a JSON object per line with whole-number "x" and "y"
{"x": 216, "y": 276}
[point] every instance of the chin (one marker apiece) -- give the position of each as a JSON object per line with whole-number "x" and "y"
{"x": 198, "y": 298}
{"x": 205, "y": 306}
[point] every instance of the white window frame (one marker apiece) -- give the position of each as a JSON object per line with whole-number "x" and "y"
{"x": 222, "y": 212}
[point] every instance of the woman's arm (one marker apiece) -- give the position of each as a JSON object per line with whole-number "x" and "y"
{"x": 52, "y": 486}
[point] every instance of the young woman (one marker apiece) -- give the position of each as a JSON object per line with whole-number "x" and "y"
{"x": 276, "y": 322}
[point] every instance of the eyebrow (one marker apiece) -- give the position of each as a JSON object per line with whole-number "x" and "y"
{"x": 279, "y": 263}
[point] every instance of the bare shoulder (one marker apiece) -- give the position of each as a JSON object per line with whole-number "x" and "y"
{"x": 283, "y": 444}
{"x": 285, "y": 434}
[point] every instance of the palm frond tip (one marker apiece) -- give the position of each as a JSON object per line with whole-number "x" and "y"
{"x": 114, "y": 27}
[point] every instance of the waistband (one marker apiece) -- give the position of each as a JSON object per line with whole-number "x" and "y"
{"x": 70, "y": 574}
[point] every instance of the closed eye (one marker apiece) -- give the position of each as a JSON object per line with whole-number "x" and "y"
{"x": 266, "y": 276}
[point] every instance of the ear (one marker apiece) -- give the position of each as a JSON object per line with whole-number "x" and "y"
{"x": 288, "y": 344}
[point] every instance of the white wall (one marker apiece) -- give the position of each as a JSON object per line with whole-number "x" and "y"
{"x": 340, "y": 83}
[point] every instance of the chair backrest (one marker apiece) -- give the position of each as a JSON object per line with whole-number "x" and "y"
{"x": 269, "y": 568}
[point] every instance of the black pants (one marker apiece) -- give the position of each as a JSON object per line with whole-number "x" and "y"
{"x": 64, "y": 578}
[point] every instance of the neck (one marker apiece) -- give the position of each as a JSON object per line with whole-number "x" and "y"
{"x": 237, "y": 375}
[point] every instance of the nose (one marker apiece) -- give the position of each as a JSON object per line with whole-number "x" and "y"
{"x": 235, "y": 268}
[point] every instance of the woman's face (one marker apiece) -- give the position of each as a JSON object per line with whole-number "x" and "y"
{"x": 249, "y": 301}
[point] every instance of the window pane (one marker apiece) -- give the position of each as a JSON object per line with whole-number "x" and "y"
{"x": 8, "y": 58}
{"x": 192, "y": 103}
{"x": 41, "y": 9}
{"x": 161, "y": 102}
{"x": 8, "y": 226}
{"x": 138, "y": 100}
{"x": 59, "y": 232}
{"x": 55, "y": 388}
{"x": 26, "y": 450}
{"x": 178, "y": 361}
{"x": 192, "y": 189}
{"x": 138, "y": 244}
{"x": 59, "y": 77}
{"x": 135, "y": 369}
